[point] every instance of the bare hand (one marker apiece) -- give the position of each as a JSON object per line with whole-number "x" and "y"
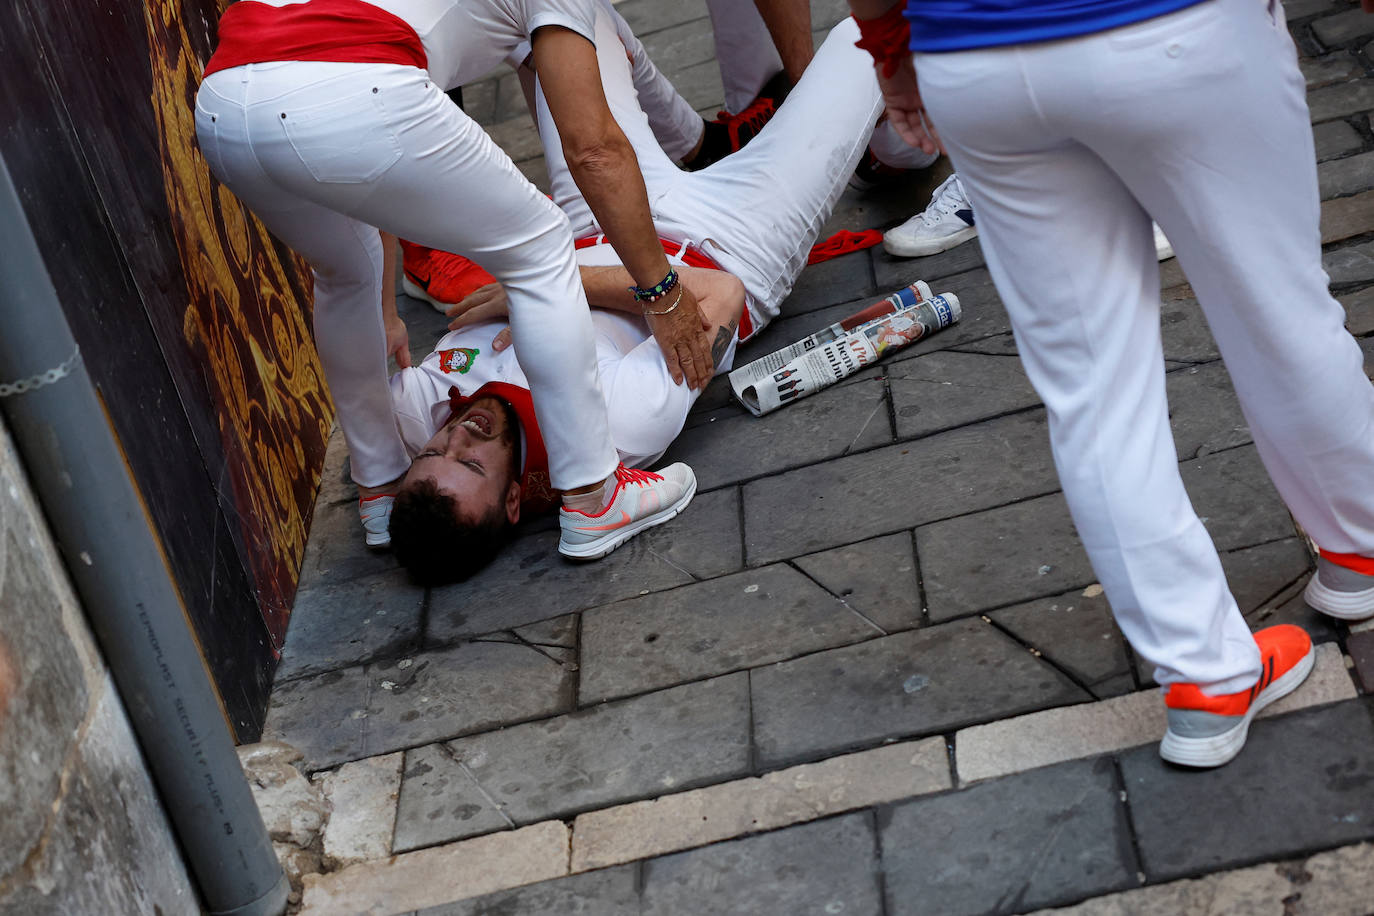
{"x": 397, "y": 340}
{"x": 482, "y": 304}
{"x": 905, "y": 109}
{"x": 681, "y": 334}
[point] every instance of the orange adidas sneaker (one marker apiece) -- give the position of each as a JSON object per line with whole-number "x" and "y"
{"x": 1207, "y": 731}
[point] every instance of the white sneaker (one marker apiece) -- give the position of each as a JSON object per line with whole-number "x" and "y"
{"x": 641, "y": 500}
{"x": 947, "y": 222}
{"x": 1163, "y": 250}
{"x": 375, "y": 512}
{"x": 1340, "y": 592}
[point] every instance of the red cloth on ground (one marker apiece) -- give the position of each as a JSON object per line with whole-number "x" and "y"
{"x": 346, "y": 31}
{"x": 843, "y": 242}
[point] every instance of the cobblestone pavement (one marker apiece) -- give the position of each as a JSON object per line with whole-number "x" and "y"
{"x": 869, "y": 670}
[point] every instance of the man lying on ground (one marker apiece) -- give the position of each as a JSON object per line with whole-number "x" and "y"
{"x": 746, "y": 225}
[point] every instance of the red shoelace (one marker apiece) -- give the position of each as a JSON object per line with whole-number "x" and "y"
{"x": 624, "y": 475}
{"x": 749, "y": 121}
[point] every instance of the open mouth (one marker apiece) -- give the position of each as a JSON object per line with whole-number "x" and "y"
{"x": 479, "y": 421}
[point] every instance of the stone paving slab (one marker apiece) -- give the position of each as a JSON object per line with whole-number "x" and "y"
{"x": 1351, "y": 175}
{"x": 943, "y": 390}
{"x": 922, "y": 682}
{"x": 875, "y": 578}
{"x": 769, "y": 802}
{"x": 434, "y": 876}
{"x": 952, "y": 473}
{"x": 1361, "y": 648}
{"x": 529, "y": 581}
{"x": 834, "y": 422}
{"x": 440, "y": 801}
{"x": 1343, "y": 27}
{"x": 1335, "y": 883}
{"x": 1187, "y": 339}
{"x": 1359, "y": 315}
{"x": 335, "y": 551}
{"x": 338, "y": 624}
{"x": 1335, "y": 139}
{"x": 613, "y": 753}
{"x": 828, "y": 866}
{"x": 610, "y": 892}
{"x": 1004, "y": 555}
{"x": 1050, "y": 836}
{"x": 893, "y": 272}
{"x": 1075, "y": 631}
{"x": 709, "y": 628}
{"x": 1341, "y": 100}
{"x": 364, "y": 711}
{"x": 1311, "y": 772}
{"x": 1204, "y": 412}
{"x": 1336, "y": 67}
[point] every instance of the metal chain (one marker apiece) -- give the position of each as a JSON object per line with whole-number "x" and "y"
{"x": 8, "y": 389}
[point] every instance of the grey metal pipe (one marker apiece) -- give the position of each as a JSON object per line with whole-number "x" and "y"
{"x": 102, "y": 527}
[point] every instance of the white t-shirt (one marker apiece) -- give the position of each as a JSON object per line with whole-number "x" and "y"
{"x": 647, "y": 411}
{"x": 466, "y": 39}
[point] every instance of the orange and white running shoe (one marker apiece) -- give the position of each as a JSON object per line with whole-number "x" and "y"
{"x": 375, "y": 513}
{"x": 1207, "y": 731}
{"x": 1342, "y": 587}
{"x": 641, "y": 500}
{"x": 440, "y": 278}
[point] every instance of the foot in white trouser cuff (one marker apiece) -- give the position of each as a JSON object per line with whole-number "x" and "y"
{"x": 375, "y": 513}
{"x": 641, "y": 500}
{"x": 1340, "y": 592}
{"x": 947, "y": 222}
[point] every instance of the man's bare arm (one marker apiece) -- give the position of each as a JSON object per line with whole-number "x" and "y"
{"x": 603, "y": 165}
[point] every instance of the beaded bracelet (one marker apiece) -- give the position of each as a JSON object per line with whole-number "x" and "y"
{"x": 657, "y": 292}
{"x": 675, "y": 304}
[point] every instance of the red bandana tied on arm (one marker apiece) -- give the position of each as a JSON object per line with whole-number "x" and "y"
{"x": 887, "y": 38}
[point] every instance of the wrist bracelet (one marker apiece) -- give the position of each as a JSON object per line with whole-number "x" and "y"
{"x": 675, "y": 304}
{"x": 658, "y": 291}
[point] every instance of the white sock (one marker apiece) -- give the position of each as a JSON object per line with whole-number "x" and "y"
{"x": 593, "y": 501}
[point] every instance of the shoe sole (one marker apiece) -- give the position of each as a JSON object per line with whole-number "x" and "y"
{"x": 595, "y": 550}
{"x": 377, "y": 545}
{"x": 1222, "y": 748}
{"x": 925, "y": 249}
{"x": 1348, "y": 606}
{"x": 415, "y": 291}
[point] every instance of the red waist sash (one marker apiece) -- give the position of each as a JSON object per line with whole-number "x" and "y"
{"x": 344, "y": 31}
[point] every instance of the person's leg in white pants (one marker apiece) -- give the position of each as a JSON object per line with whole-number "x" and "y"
{"x": 1199, "y": 119}
{"x": 323, "y": 151}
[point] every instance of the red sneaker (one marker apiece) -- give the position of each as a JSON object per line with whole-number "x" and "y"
{"x": 1207, "y": 731}
{"x": 439, "y": 277}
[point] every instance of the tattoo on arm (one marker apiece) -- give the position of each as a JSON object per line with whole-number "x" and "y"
{"x": 724, "y": 334}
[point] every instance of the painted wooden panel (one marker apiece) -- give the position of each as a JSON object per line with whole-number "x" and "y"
{"x": 193, "y": 320}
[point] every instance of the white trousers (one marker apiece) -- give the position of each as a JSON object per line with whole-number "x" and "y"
{"x": 756, "y": 212}
{"x": 323, "y": 152}
{"x": 1067, "y": 149}
{"x": 744, "y": 50}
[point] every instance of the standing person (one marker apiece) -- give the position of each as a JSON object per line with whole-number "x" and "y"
{"x": 758, "y": 44}
{"x": 328, "y": 118}
{"x": 1070, "y": 124}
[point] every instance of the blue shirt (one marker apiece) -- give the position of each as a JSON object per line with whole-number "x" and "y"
{"x": 958, "y": 25}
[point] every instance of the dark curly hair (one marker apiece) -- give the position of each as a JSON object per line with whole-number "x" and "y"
{"x": 432, "y": 541}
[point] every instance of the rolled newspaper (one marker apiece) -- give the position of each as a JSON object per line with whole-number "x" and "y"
{"x": 818, "y": 366}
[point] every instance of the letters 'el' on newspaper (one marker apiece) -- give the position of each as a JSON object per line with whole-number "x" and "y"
{"x": 840, "y": 350}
